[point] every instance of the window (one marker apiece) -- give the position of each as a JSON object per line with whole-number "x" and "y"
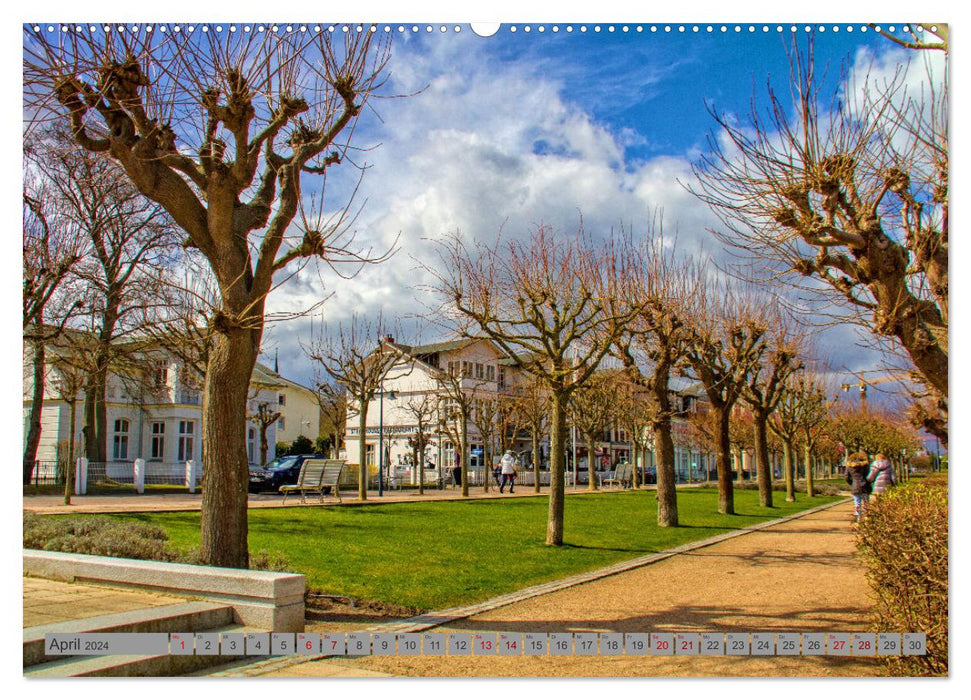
{"x": 502, "y": 378}
{"x": 466, "y": 369}
{"x": 479, "y": 370}
{"x": 369, "y": 455}
{"x": 187, "y": 430}
{"x": 250, "y": 443}
{"x": 120, "y": 442}
{"x": 282, "y": 423}
{"x": 161, "y": 375}
{"x": 491, "y": 373}
{"x": 282, "y": 399}
{"x": 158, "y": 440}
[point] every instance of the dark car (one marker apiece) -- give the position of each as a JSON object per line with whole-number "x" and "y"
{"x": 279, "y": 472}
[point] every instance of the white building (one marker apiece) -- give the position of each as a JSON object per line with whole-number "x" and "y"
{"x": 485, "y": 371}
{"x": 159, "y": 420}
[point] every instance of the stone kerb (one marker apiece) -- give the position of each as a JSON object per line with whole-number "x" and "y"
{"x": 264, "y": 599}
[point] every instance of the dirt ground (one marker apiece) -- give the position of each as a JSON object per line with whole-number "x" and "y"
{"x": 800, "y": 576}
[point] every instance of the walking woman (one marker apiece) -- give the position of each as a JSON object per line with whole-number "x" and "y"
{"x": 857, "y": 468}
{"x": 881, "y": 474}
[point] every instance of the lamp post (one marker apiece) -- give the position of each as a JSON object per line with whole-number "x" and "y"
{"x": 381, "y": 393}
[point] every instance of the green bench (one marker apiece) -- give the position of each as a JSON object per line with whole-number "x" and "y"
{"x": 316, "y": 475}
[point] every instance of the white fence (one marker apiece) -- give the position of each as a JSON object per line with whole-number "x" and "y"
{"x": 136, "y": 475}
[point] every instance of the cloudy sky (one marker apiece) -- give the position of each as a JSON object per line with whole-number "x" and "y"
{"x": 528, "y": 127}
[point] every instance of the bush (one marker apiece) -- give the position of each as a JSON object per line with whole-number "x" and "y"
{"x": 904, "y": 543}
{"x": 124, "y": 539}
{"x": 301, "y": 446}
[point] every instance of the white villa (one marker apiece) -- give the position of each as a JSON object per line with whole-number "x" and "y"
{"x": 160, "y": 422}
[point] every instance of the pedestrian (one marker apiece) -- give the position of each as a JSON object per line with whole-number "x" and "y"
{"x": 857, "y": 467}
{"x": 457, "y": 470}
{"x": 881, "y": 474}
{"x": 507, "y": 466}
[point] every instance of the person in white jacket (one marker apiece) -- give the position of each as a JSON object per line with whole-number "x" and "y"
{"x": 507, "y": 467}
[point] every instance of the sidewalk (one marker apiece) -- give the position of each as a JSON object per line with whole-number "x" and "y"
{"x": 176, "y": 502}
{"x": 46, "y": 601}
{"x": 802, "y": 575}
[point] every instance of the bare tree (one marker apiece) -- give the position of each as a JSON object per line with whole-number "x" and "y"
{"x": 332, "y": 399}
{"x": 532, "y": 404}
{"x": 811, "y": 392}
{"x": 765, "y": 387}
{"x": 485, "y": 418}
{"x": 422, "y": 411}
{"x": 591, "y": 410}
{"x": 636, "y": 411}
{"x": 653, "y": 346}
{"x": 727, "y": 340}
{"x": 222, "y": 130}
{"x": 359, "y": 358}
{"x": 457, "y": 391}
{"x": 785, "y": 423}
{"x": 854, "y": 196}
{"x": 554, "y": 304}
{"x": 263, "y": 416}
{"x": 126, "y": 238}
{"x": 51, "y": 250}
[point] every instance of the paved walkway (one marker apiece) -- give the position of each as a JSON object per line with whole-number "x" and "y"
{"x": 802, "y": 575}
{"x": 174, "y": 502}
{"x": 47, "y": 602}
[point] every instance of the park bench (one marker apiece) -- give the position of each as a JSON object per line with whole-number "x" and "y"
{"x": 620, "y": 477}
{"x": 316, "y": 475}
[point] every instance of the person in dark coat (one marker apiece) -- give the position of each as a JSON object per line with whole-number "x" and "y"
{"x": 857, "y": 469}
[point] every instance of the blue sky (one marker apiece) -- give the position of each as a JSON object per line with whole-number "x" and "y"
{"x": 521, "y": 128}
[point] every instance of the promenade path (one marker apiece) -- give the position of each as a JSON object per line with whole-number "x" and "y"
{"x": 802, "y": 575}
{"x": 175, "y": 502}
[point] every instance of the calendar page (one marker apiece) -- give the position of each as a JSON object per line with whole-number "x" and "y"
{"x": 529, "y": 349}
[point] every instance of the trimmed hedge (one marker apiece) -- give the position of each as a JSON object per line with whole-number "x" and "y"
{"x": 904, "y": 543}
{"x": 120, "y": 538}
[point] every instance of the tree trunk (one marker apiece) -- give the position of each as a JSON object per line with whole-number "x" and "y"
{"x": 362, "y": 469}
{"x": 762, "y": 467}
{"x": 788, "y": 465}
{"x": 667, "y": 495}
{"x": 264, "y": 446}
{"x": 36, "y": 407}
{"x": 808, "y": 457}
{"x": 464, "y": 460}
{"x": 69, "y": 478}
{"x": 591, "y": 467}
{"x": 224, "y": 461}
{"x": 636, "y": 457}
{"x": 95, "y": 412}
{"x": 535, "y": 438}
{"x": 486, "y": 465}
{"x": 726, "y": 489}
{"x": 554, "y": 525}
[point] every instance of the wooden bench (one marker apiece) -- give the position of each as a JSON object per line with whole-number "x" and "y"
{"x": 316, "y": 475}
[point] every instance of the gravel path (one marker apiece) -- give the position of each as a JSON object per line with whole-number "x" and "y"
{"x": 801, "y": 576}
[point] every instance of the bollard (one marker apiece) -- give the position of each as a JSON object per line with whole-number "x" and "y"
{"x": 139, "y": 475}
{"x": 190, "y": 476}
{"x": 81, "y": 477}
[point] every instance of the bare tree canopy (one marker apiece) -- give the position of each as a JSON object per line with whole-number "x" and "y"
{"x": 849, "y": 193}
{"x": 555, "y": 304}
{"x": 223, "y": 129}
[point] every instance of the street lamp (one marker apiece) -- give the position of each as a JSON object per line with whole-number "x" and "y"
{"x": 381, "y": 393}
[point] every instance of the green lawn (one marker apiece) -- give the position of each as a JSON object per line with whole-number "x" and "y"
{"x": 438, "y": 554}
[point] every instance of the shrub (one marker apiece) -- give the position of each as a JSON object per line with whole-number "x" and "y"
{"x": 124, "y": 539}
{"x": 302, "y": 445}
{"x": 904, "y": 543}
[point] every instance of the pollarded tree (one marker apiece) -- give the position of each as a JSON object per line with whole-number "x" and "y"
{"x": 727, "y": 341}
{"x": 652, "y": 347}
{"x": 485, "y": 418}
{"x": 263, "y": 416}
{"x": 421, "y": 412}
{"x": 458, "y": 396}
{"x": 222, "y": 129}
{"x": 851, "y": 191}
{"x": 763, "y": 391}
{"x": 591, "y": 410}
{"x": 532, "y": 401}
{"x": 635, "y": 412}
{"x": 359, "y": 357}
{"x": 554, "y": 304}
{"x": 332, "y": 399}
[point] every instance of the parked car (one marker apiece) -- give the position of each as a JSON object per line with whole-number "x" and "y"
{"x": 279, "y": 472}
